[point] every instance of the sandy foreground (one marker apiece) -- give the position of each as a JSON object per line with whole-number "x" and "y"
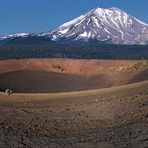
{"x": 105, "y": 118}
{"x": 82, "y": 117}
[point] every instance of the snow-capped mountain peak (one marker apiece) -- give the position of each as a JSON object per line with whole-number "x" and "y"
{"x": 13, "y": 36}
{"x": 110, "y": 25}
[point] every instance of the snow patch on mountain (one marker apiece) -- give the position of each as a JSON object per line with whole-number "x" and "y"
{"x": 14, "y": 36}
{"x": 84, "y": 34}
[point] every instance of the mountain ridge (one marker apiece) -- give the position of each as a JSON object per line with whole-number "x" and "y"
{"x": 112, "y": 25}
{"x": 101, "y": 24}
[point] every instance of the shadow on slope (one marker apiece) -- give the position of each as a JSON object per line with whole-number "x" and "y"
{"x": 142, "y": 76}
{"x": 26, "y": 81}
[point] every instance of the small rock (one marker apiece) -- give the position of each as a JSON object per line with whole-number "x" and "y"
{"x": 146, "y": 118}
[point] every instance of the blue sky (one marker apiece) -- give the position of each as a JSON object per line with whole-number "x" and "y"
{"x": 43, "y": 15}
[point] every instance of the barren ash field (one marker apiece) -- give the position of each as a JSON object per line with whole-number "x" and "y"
{"x": 69, "y": 103}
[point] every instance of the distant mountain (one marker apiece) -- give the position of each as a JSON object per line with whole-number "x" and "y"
{"x": 105, "y": 25}
{"x": 9, "y": 38}
{"x": 99, "y": 25}
{"x": 14, "y": 36}
{"x": 25, "y": 39}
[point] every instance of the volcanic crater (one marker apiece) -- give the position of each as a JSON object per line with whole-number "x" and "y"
{"x": 67, "y": 75}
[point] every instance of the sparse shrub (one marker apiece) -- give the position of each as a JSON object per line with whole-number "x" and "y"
{"x": 59, "y": 67}
{"x": 136, "y": 66}
{"x": 56, "y": 66}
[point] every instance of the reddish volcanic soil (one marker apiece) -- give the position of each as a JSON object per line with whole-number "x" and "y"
{"x": 63, "y": 75}
{"x": 89, "y": 67}
{"x": 114, "y": 117}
